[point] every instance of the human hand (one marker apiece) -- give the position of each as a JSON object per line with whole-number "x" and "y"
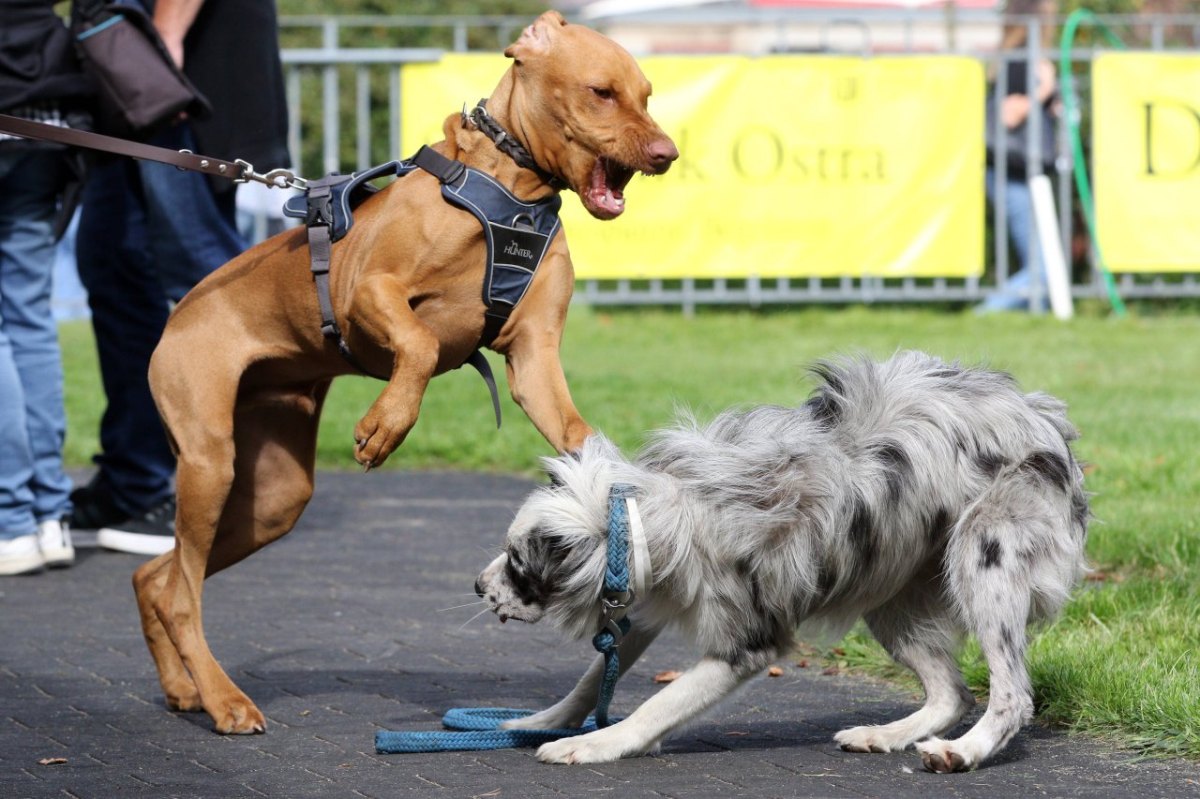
{"x": 1014, "y": 110}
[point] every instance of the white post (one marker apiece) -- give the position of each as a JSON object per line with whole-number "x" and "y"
{"x": 1054, "y": 264}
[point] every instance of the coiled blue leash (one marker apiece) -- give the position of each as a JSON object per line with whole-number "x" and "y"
{"x": 473, "y": 729}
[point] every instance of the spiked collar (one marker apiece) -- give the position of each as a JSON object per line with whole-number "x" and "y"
{"x": 506, "y": 143}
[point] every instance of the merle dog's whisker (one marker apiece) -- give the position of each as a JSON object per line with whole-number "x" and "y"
{"x": 473, "y": 618}
{"x": 459, "y": 607}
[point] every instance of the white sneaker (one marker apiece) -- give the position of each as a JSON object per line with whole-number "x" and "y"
{"x": 20, "y": 555}
{"x": 54, "y": 539}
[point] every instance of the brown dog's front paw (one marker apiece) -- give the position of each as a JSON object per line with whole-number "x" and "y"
{"x": 239, "y": 717}
{"x": 374, "y": 441}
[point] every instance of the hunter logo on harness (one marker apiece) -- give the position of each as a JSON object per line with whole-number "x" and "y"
{"x": 522, "y": 249}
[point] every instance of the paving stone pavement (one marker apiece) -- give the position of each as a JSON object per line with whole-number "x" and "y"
{"x": 339, "y": 630}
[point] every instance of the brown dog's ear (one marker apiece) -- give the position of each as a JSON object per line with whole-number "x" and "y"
{"x": 537, "y": 37}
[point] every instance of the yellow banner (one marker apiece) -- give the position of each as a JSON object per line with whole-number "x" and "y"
{"x": 1146, "y": 160}
{"x": 789, "y": 166}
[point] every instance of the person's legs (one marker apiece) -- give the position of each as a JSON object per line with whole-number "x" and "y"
{"x": 1018, "y": 206}
{"x": 129, "y": 311}
{"x": 165, "y": 231}
{"x": 193, "y": 230}
{"x": 33, "y": 486}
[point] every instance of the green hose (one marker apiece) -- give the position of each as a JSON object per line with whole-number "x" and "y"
{"x": 1081, "y": 178}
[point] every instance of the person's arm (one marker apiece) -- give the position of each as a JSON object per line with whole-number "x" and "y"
{"x": 173, "y": 18}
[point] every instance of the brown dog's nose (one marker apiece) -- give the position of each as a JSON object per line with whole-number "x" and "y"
{"x": 661, "y": 153}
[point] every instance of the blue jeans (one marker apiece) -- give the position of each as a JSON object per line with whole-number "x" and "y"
{"x": 1022, "y": 232}
{"x": 147, "y": 233}
{"x": 33, "y": 486}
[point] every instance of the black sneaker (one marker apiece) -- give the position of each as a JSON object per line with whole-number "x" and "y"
{"x": 152, "y": 533}
{"x": 93, "y": 509}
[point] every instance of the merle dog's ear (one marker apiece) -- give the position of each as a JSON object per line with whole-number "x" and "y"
{"x": 548, "y": 548}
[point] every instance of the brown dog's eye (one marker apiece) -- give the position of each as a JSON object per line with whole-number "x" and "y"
{"x": 603, "y": 94}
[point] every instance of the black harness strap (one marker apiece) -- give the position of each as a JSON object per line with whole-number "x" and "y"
{"x": 446, "y": 170}
{"x": 319, "y": 221}
{"x": 449, "y": 172}
{"x": 518, "y": 234}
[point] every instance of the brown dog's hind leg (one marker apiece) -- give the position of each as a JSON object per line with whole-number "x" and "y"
{"x": 177, "y": 685}
{"x": 273, "y": 446}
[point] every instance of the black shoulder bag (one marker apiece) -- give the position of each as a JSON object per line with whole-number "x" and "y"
{"x": 138, "y": 85}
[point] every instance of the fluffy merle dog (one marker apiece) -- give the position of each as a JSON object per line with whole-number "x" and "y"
{"x": 930, "y": 499}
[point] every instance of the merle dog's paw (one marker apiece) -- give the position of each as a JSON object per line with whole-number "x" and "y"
{"x": 945, "y": 757}
{"x": 601, "y": 746}
{"x": 868, "y": 739}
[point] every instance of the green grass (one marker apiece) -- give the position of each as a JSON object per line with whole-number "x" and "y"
{"x": 1121, "y": 662}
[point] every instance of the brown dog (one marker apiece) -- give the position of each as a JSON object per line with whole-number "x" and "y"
{"x": 242, "y": 370}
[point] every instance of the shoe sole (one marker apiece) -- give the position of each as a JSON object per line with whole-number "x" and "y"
{"x": 58, "y": 558}
{"x": 134, "y": 543}
{"x": 26, "y": 564}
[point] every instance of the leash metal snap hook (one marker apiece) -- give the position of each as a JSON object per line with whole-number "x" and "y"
{"x": 275, "y": 178}
{"x": 613, "y": 608}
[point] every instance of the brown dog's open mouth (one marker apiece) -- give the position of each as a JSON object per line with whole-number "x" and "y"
{"x": 604, "y": 197}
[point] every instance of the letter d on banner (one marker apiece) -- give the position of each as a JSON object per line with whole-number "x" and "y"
{"x": 1057, "y": 279}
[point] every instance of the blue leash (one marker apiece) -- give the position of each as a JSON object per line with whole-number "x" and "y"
{"x": 472, "y": 729}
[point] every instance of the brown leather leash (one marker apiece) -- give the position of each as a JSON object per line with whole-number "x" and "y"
{"x": 237, "y": 170}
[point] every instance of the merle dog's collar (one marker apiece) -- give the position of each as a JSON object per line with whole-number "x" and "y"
{"x": 626, "y": 541}
{"x": 506, "y": 143}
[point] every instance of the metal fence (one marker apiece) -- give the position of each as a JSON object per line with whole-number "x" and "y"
{"x": 360, "y": 89}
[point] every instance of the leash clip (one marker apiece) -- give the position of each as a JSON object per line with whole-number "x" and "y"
{"x": 613, "y": 608}
{"x": 275, "y": 178}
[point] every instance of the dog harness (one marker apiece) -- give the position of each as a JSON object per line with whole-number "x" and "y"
{"x": 518, "y": 234}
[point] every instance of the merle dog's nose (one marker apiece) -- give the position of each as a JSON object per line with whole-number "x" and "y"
{"x": 478, "y": 589}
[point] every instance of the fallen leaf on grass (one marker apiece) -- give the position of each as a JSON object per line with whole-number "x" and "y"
{"x": 668, "y": 676}
{"x": 1104, "y": 577}
{"x": 829, "y": 672}
{"x": 802, "y": 663}
{"x": 774, "y": 671}
{"x": 837, "y": 650}
{"x": 52, "y": 761}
